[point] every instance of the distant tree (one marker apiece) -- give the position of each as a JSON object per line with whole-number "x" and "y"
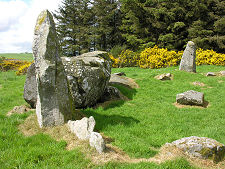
{"x": 208, "y": 30}
{"x": 107, "y": 22}
{"x": 171, "y": 24}
{"x": 74, "y": 18}
{"x": 85, "y": 25}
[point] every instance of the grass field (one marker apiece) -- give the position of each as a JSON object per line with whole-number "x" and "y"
{"x": 139, "y": 126}
{"x": 22, "y": 56}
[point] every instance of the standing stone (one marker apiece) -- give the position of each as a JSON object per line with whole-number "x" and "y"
{"x": 54, "y": 102}
{"x": 188, "y": 59}
{"x": 30, "y": 87}
{"x": 97, "y": 142}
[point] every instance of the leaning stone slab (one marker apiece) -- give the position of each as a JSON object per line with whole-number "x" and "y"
{"x": 97, "y": 142}
{"x": 88, "y": 76}
{"x": 30, "y": 87}
{"x": 188, "y": 59}
{"x": 54, "y": 102}
{"x": 190, "y": 97}
{"x": 201, "y": 147}
{"x": 82, "y": 128}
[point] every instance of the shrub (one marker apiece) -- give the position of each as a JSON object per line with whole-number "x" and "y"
{"x": 22, "y": 70}
{"x": 13, "y": 64}
{"x": 158, "y": 57}
{"x": 1, "y": 59}
{"x": 127, "y": 58}
{"x": 116, "y": 50}
{"x": 209, "y": 57}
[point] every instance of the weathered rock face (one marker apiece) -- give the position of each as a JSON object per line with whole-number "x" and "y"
{"x": 190, "y": 97}
{"x": 30, "y": 87}
{"x": 188, "y": 59}
{"x": 88, "y": 77}
{"x": 97, "y": 142}
{"x": 54, "y": 102}
{"x": 165, "y": 76}
{"x": 82, "y": 128}
{"x": 201, "y": 147}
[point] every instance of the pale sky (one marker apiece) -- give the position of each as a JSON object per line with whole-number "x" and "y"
{"x": 17, "y": 21}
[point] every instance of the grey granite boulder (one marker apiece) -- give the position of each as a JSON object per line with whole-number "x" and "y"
{"x": 201, "y": 147}
{"x": 88, "y": 77}
{"x": 97, "y": 142}
{"x": 188, "y": 59}
{"x": 82, "y": 128}
{"x": 190, "y": 97}
{"x": 30, "y": 87}
{"x": 165, "y": 76}
{"x": 54, "y": 102}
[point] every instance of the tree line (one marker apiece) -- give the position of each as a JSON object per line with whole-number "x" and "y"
{"x": 87, "y": 25}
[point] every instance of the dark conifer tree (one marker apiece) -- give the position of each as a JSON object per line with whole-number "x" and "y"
{"x": 74, "y": 18}
{"x": 107, "y": 22}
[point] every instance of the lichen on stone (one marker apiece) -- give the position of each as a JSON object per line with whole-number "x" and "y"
{"x": 41, "y": 19}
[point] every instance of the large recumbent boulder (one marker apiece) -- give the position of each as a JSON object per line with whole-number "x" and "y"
{"x": 88, "y": 76}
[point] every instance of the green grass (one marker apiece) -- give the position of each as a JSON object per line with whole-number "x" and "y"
{"x": 21, "y": 56}
{"x": 148, "y": 120}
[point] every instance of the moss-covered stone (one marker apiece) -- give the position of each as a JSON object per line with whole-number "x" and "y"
{"x": 201, "y": 147}
{"x": 88, "y": 76}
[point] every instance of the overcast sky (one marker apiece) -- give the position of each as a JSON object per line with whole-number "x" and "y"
{"x": 17, "y": 21}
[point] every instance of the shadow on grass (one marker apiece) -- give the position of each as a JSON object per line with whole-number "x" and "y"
{"x": 126, "y": 91}
{"x": 127, "y": 94}
{"x": 103, "y": 121}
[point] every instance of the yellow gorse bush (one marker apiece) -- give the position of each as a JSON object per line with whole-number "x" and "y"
{"x": 160, "y": 57}
{"x": 127, "y": 58}
{"x": 22, "y": 70}
{"x": 209, "y": 57}
{"x": 13, "y": 64}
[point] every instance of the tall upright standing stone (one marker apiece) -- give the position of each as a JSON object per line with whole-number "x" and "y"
{"x": 188, "y": 59}
{"x": 54, "y": 101}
